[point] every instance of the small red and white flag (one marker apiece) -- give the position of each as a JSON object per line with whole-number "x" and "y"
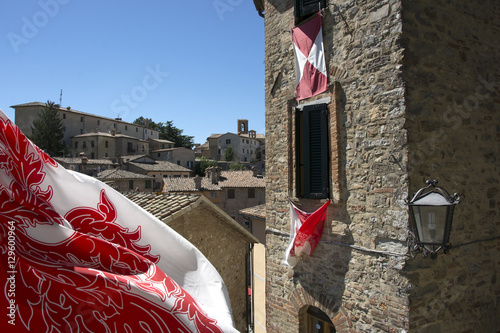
{"x": 305, "y": 232}
{"x": 310, "y": 66}
{"x": 77, "y": 256}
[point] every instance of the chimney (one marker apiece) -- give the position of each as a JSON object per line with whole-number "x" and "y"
{"x": 254, "y": 170}
{"x": 213, "y": 174}
{"x": 197, "y": 183}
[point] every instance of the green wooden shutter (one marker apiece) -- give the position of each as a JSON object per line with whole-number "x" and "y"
{"x": 306, "y": 7}
{"x": 315, "y": 151}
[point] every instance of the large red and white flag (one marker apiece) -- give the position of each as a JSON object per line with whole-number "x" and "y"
{"x": 77, "y": 256}
{"x": 310, "y": 67}
{"x": 305, "y": 232}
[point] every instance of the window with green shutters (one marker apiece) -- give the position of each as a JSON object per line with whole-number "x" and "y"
{"x": 304, "y": 8}
{"x": 312, "y": 127}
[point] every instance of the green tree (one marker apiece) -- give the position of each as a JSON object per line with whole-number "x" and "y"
{"x": 167, "y": 132}
{"x": 203, "y": 165}
{"x": 237, "y": 167}
{"x": 47, "y": 130}
{"x": 147, "y": 122}
{"x": 228, "y": 154}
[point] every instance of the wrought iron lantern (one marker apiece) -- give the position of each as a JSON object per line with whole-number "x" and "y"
{"x": 431, "y": 215}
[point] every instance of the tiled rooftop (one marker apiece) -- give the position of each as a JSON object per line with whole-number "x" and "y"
{"x": 159, "y": 166}
{"x": 129, "y": 158}
{"x": 78, "y": 160}
{"x": 160, "y": 140}
{"x": 162, "y": 205}
{"x": 120, "y": 174}
{"x": 228, "y": 179}
{"x": 241, "y": 179}
{"x": 105, "y": 134}
{"x": 255, "y": 211}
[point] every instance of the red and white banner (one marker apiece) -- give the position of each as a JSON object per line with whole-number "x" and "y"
{"x": 77, "y": 256}
{"x": 310, "y": 67}
{"x": 305, "y": 232}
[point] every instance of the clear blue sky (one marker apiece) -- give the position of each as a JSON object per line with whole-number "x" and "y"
{"x": 199, "y": 64}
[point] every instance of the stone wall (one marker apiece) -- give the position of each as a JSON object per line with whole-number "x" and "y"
{"x": 354, "y": 275}
{"x": 240, "y": 201}
{"x": 452, "y": 80}
{"x": 414, "y": 89}
{"x": 203, "y": 228}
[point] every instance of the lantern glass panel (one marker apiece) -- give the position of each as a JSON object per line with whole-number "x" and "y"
{"x": 430, "y": 222}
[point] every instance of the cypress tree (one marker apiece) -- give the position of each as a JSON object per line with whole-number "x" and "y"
{"x": 47, "y": 130}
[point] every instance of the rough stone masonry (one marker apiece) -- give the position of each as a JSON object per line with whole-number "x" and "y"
{"x": 413, "y": 95}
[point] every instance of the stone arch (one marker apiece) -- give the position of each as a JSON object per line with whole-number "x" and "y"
{"x": 300, "y": 299}
{"x": 310, "y": 311}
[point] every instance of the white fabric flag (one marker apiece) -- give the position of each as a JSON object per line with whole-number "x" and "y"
{"x": 310, "y": 66}
{"x": 305, "y": 232}
{"x": 78, "y": 256}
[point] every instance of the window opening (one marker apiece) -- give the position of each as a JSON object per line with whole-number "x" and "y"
{"x": 312, "y": 160}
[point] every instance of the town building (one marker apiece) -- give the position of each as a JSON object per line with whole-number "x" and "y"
{"x": 229, "y": 190}
{"x": 157, "y": 144}
{"x": 77, "y": 123}
{"x": 125, "y": 181}
{"x": 83, "y": 164}
{"x": 412, "y": 94}
{"x": 180, "y": 155}
{"x": 159, "y": 170}
{"x": 255, "y": 221}
{"x": 99, "y": 145}
{"x": 227, "y": 245}
{"x": 246, "y": 145}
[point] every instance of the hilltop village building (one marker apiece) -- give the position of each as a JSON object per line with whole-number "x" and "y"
{"x": 247, "y": 145}
{"x": 83, "y": 165}
{"x": 231, "y": 191}
{"x": 412, "y": 93}
{"x": 98, "y": 137}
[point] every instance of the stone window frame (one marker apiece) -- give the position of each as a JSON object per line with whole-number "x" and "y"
{"x": 231, "y": 193}
{"x": 333, "y": 98}
{"x": 312, "y": 153}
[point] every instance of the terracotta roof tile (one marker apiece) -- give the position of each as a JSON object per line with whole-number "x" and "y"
{"x": 120, "y": 174}
{"x": 228, "y": 179}
{"x": 160, "y": 166}
{"x": 255, "y": 211}
{"x": 78, "y": 160}
{"x": 162, "y": 205}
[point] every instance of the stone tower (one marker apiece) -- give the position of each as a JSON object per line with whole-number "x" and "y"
{"x": 412, "y": 94}
{"x": 242, "y": 126}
